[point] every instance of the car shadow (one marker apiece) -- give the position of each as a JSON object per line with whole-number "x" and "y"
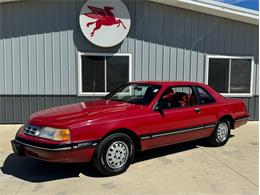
{"x": 36, "y": 171}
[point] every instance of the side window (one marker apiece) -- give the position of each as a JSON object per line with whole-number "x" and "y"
{"x": 204, "y": 96}
{"x": 175, "y": 97}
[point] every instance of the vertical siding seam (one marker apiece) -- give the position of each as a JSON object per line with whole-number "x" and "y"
{"x": 68, "y": 50}
{"x": 162, "y": 60}
{"x": 204, "y": 68}
{"x": 52, "y": 64}
{"x": 28, "y": 50}
{"x": 142, "y": 58}
{"x": 20, "y": 60}
{"x": 30, "y": 105}
{"x": 12, "y": 63}
{"x": 12, "y": 51}
{"x": 170, "y": 54}
{"x": 76, "y": 54}
{"x": 176, "y": 68}
{"x": 60, "y": 48}
{"x": 133, "y": 44}
{"x": 163, "y": 45}
{"x": 156, "y": 65}
{"x": 22, "y": 112}
{"x": 52, "y": 52}
{"x": 218, "y": 36}
{"x": 244, "y": 49}
{"x": 183, "y": 63}
{"x": 142, "y": 45}
{"x": 231, "y": 46}
{"x": 149, "y": 44}
{"x": 45, "y": 59}
{"x": 4, "y": 56}
{"x": 224, "y": 37}
{"x": 44, "y": 62}
{"x": 198, "y": 47}
{"x": 37, "y": 64}
{"x": 53, "y": 72}
{"x": 149, "y": 56}
{"x": 20, "y": 63}
{"x": 190, "y": 65}
{"x": 191, "y": 34}
{"x": 197, "y": 64}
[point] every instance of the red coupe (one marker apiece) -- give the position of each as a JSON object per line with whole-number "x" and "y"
{"x": 136, "y": 116}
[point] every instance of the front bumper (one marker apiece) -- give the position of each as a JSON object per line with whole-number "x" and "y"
{"x": 64, "y": 153}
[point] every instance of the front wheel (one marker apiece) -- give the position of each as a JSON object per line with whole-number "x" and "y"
{"x": 114, "y": 154}
{"x": 221, "y": 134}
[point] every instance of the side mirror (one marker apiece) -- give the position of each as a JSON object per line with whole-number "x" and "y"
{"x": 158, "y": 108}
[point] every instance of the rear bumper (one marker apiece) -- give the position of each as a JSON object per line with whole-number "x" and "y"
{"x": 240, "y": 121}
{"x": 70, "y": 153}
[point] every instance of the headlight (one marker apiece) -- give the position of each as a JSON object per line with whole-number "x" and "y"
{"x": 53, "y": 134}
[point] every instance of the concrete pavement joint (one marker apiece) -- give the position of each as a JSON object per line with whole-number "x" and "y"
{"x": 19, "y": 187}
{"x": 240, "y": 174}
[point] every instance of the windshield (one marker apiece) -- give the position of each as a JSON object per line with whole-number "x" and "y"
{"x": 135, "y": 93}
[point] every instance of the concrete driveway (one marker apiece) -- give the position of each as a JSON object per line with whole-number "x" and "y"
{"x": 190, "y": 168}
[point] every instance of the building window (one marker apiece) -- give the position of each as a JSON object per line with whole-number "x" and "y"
{"x": 229, "y": 75}
{"x": 100, "y": 74}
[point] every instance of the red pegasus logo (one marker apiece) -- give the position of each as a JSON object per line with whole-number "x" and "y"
{"x": 104, "y": 17}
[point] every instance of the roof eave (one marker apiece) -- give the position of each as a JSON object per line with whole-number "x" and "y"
{"x": 216, "y": 9}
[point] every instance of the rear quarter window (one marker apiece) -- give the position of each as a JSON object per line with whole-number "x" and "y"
{"x": 204, "y": 96}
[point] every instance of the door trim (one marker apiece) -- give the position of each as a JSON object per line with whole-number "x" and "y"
{"x": 177, "y": 131}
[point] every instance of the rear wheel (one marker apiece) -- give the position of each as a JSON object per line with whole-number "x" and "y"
{"x": 221, "y": 134}
{"x": 114, "y": 154}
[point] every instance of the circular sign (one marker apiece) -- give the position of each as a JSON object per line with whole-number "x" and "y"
{"x": 105, "y": 23}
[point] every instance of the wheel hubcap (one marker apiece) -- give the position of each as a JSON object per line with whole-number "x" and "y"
{"x": 117, "y": 154}
{"x": 222, "y": 132}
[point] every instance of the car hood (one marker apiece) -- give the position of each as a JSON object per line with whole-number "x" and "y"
{"x": 64, "y": 116}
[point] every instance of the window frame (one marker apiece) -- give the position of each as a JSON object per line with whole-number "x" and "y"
{"x": 250, "y": 94}
{"x": 80, "y": 54}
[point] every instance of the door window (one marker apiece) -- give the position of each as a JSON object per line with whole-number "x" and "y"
{"x": 176, "y": 97}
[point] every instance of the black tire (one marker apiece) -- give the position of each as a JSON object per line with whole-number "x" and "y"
{"x": 102, "y": 160}
{"x": 215, "y": 139}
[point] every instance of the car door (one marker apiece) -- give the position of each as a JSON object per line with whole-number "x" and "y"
{"x": 178, "y": 120}
{"x": 207, "y": 107}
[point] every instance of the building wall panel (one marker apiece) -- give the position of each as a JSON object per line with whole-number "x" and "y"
{"x": 17, "y": 109}
{"x": 40, "y": 40}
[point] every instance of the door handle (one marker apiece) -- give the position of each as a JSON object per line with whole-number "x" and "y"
{"x": 197, "y": 110}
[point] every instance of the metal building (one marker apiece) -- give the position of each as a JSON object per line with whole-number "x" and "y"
{"x": 45, "y": 60}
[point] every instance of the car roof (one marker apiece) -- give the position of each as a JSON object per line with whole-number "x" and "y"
{"x": 170, "y": 83}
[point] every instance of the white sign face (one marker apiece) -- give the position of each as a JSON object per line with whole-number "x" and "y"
{"x": 105, "y": 23}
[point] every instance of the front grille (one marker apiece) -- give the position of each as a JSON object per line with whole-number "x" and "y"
{"x": 30, "y": 130}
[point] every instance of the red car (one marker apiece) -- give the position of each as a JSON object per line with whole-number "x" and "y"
{"x": 136, "y": 116}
